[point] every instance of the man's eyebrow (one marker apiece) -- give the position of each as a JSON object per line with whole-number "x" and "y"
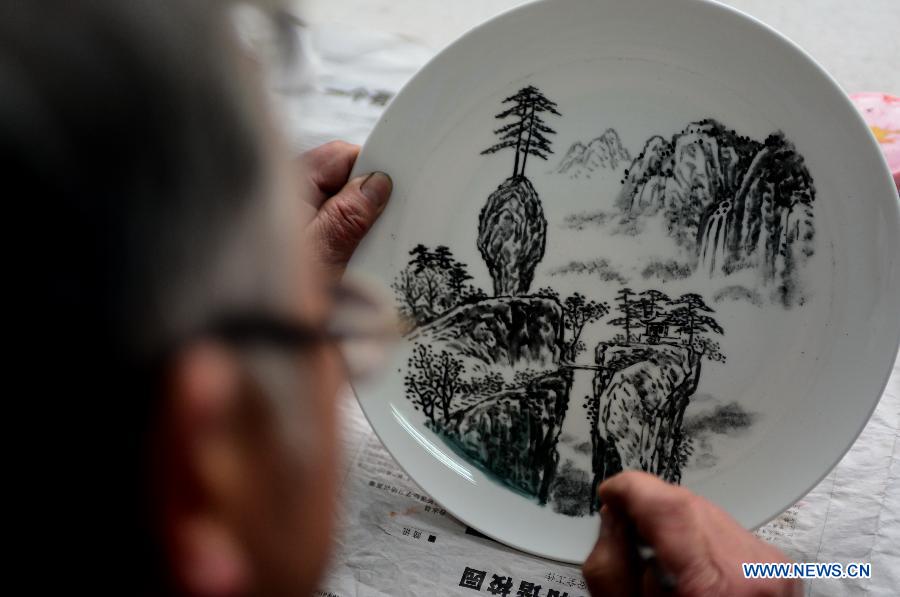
{"x": 260, "y": 327}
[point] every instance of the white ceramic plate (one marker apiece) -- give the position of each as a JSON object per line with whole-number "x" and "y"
{"x": 679, "y": 254}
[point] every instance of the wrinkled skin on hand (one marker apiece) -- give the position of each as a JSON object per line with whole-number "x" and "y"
{"x": 341, "y": 211}
{"x": 698, "y": 545}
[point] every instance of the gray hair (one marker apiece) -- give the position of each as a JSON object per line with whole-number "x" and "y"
{"x": 138, "y": 157}
{"x": 148, "y": 146}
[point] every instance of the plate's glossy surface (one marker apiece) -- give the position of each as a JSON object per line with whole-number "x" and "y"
{"x": 648, "y": 234}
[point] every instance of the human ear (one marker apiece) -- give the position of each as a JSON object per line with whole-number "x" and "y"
{"x": 201, "y": 473}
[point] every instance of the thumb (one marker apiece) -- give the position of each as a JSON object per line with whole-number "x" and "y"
{"x": 611, "y": 568}
{"x": 344, "y": 219}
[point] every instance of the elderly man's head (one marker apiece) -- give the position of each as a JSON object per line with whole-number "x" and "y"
{"x": 159, "y": 204}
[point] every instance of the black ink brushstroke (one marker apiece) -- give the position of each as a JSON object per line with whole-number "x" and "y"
{"x": 667, "y": 270}
{"x": 601, "y": 268}
{"x": 729, "y": 201}
{"x": 605, "y": 152}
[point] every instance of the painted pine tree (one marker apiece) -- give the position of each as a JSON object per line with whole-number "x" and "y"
{"x": 527, "y": 133}
{"x": 512, "y": 229}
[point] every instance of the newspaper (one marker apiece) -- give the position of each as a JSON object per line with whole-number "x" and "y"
{"x": 396, "y": 540}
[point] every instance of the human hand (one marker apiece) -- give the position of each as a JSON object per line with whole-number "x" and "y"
{"x": 341, "y": 211}
{"x": 697, "y": 544}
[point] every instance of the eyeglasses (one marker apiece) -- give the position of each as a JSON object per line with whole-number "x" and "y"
{"x": 362, "y": 324}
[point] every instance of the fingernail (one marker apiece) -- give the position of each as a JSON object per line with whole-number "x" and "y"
{"x": 377, "y": 187}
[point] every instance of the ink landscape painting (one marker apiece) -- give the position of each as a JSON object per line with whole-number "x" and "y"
{"x": 593, "y": 292}
{"x": 644, "y": 235}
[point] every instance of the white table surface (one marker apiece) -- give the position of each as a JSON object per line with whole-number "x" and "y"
{"x": 858, "y": 42}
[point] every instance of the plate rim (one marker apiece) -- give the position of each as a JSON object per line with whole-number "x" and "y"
{"x": 809, "y": 63}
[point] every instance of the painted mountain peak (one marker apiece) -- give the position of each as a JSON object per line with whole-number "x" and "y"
{"x": 512, "y": 234}
{"x": 604, "y": 152}
{"x": 729, "y": 201}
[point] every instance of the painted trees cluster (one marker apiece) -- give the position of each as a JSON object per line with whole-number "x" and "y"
{"x": 578, "y": 312}
{"x": 438, "y": 384}
{"x": 432, "y": 382}
{"x": 659, "y": 316}
{"x": 432, "y": 283}
{"x": 624, "y": 305}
